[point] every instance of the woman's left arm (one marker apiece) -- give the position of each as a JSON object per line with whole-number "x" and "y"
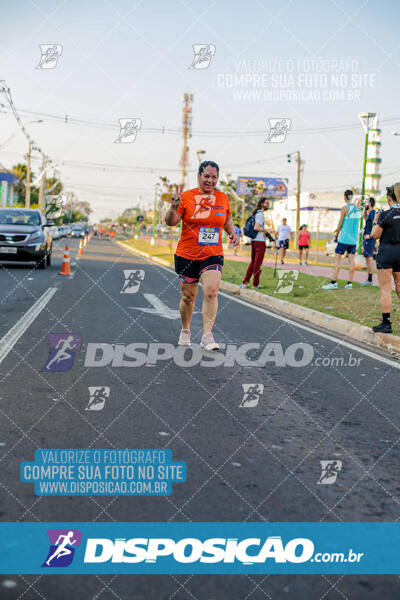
{"x": 230, "y": 230}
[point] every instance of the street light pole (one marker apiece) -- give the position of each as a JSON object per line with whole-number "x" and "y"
{"x": 365, "y": 119}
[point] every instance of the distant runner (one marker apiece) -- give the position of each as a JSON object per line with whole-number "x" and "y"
{"x": 204, "y": 212}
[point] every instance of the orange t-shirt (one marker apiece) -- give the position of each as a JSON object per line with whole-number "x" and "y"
{"x": 202, "y": 216}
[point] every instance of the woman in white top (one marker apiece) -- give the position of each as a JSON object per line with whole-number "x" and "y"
{"x": 257, "y": 245}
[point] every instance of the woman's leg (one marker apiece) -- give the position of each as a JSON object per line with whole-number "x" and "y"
{"x": 258, "y": 261}
{"x": 385, "y": 284}
{"x": 396, "y": 277}
{"x": 306, "y": 254}
{"x": 186, "y": 305}
{"x": 300, "y": 254}
{"x": 250, "y": 268}
{"x": 210, "y": 281}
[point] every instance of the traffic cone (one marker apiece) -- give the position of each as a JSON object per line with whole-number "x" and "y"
{"x": 65, "y": 267}
{"x": 84, "y": 242}
{"x": 80, "y": 251}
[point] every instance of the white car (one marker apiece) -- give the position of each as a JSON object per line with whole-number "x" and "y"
{"x": 330, "y": 247}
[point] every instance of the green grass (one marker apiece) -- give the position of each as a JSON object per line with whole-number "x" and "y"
{"x": 359, "y": 305}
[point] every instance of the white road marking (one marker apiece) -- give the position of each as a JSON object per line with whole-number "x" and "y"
{"x": 159, "y": 308}
{"x": 331, "y": 338}
{"x": 9, "y": 340}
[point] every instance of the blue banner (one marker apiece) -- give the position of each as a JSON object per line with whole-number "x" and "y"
{"x": 194, "y": 548}
{"x": 270, "y": 187}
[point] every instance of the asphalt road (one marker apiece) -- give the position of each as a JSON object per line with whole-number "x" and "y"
{"x": 244, "y": 463}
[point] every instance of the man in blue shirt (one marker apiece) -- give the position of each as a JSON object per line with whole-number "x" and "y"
{"x": 368, "y": 242}
{"x": 346, "y": 235}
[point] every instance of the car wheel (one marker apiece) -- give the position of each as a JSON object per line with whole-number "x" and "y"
{"x": 41, "y": 264}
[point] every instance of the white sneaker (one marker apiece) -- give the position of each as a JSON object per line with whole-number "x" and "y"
{"x": 349, "y": 286}
{"x": 184, "y": 337}
{"x": 208, "y": 342}
{"x": 330, "y": 286}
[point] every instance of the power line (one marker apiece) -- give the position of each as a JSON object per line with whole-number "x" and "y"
{"x": 176, "y": 131}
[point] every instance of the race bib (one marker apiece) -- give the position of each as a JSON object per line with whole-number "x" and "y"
{"x": 209, "y": 235}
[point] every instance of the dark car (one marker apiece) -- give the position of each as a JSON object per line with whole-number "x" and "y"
{"x": 24, "y": 236}
{"x": 77, "y": 231}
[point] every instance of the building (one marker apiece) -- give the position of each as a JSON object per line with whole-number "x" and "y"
{"x": 372, "y": 175}
{"x": 318, "y": 210}
{"x": 7, "y": 183}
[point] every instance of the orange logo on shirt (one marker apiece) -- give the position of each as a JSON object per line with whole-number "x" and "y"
{"x": 203, "y": 206}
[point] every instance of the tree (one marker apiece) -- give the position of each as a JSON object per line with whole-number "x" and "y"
{"x": 20, "y": 170}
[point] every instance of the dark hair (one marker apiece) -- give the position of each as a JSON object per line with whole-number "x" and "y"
{"x": 371, "y": 201}
{"x": 208, "y": 163}
{"x": 259, "y": 204}
{"x": 390, "y": 193}
{"x": 305, "y": 225}
{"x": 348, "y": 193}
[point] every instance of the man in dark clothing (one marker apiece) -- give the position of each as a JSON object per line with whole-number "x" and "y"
{"x": 369, "y": 242}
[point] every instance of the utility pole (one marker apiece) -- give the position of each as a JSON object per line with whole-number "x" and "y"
{"x": 153, "y": 237}
{"x": 42, "y": 184}
{"x": 186, "y": 134}
{"x": 28, "y": 178}
{"x": 299, "y": 165}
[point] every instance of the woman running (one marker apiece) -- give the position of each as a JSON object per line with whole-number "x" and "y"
{"x": 204, "y": 212}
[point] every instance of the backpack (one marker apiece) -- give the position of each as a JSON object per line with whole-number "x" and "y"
{"x": 248, "y": 229}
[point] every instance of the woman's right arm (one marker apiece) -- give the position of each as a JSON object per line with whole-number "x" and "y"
{"x": 173, "y": 217}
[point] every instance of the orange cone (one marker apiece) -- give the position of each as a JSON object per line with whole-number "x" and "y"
{"x": 65, "y": 267}
{"x": 80, "y": 251}
{"x": 84, "y": 242}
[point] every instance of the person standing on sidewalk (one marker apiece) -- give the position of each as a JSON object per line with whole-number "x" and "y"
{"x": 304, "y": 243}
{"x": 368, "y": 241}
{"x": 386, "y": 228}
{"x": 284, "y": 233}
{"x": 346, "y": 235}
{"x": 257, "y": 245}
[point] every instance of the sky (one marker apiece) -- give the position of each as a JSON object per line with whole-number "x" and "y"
{"x": 318, "y": 65}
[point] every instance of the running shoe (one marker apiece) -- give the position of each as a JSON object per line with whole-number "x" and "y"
{"x": 330, "y": 286}
{"x": 306, "y": 263}
{"x": 302, "y": 263}
{"x": 282, "y": 263}
{"x": 383, "y": 328}
{"x": 258, "y": 287}
{"x": 349, "y": 286}
{"x": 243, "y": 285}
{"x": 208, "y": 342}
{"x": 367, "y": 283}
{"x": 184, "y": 337}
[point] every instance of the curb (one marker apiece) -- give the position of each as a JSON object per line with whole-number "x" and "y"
{"x": 352, "y": 331}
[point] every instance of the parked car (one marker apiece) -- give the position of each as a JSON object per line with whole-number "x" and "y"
{"x": 25, "y": 236}
{"x": 330, "y": 247}
{"x": 55, "y": 232}
{"x": 77, "y": 231}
